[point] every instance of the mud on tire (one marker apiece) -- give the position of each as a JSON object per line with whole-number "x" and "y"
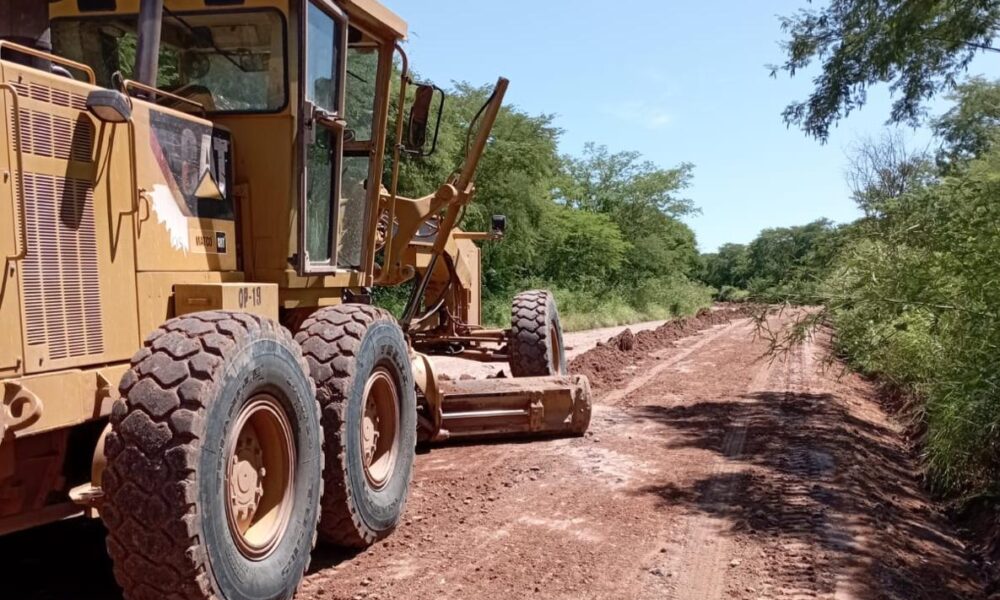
{"x": 536, "y": 340}
{"x": 347, "y": 347}
{"x": 167, "y": 485}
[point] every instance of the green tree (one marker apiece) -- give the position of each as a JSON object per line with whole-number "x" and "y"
{"x": 791, "y": 261}
{"x": 603, "y": 230}
{"x": 918, "y": 47}
{"x": 643, "y": 200}
{"x": 916, "y": 303}
{"x": 730, "y": 266}
{"x": 622, "y": 184}
{"x": 581, "y": 247}
{"x": 969, "y": 129}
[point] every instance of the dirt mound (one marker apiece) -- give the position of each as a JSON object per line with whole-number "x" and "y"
{"x": 609, "y": 362}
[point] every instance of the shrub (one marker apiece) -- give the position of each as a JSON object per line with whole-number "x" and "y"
{"x": 915, "y": 301}
{"x": 728, "y": 293}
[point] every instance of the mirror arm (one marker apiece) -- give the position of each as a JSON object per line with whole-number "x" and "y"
{"x": 328, "y": 119}
{"x": 437, "y": 126}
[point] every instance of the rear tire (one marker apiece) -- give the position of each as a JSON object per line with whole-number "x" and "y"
{"x": 214, "y": 463}
{"x": 536, "y": 339}
{"x": 360, "y": 363}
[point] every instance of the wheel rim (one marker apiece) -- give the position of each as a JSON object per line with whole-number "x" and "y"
{"x": 380, "y": 428}
{"x": 261, "y": 468}
{"x": 556, "y": 346}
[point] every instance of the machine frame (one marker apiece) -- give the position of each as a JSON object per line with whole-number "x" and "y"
{"x": 129, "y": 207}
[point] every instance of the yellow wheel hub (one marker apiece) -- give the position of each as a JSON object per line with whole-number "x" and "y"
{"x": 248, "y": 473}
{"x": 380, "y": 428}
{"x": 261, "y": 471}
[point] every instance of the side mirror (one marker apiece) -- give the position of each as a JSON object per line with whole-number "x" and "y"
{"x": 420, "y": 114}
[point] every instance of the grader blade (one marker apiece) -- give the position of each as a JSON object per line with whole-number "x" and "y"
{"x": 524, "y": 406}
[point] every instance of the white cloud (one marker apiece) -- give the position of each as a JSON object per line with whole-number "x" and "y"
{"x": 642, "y": 114}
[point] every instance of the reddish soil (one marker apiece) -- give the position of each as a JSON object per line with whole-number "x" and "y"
{"x": 617, "y": 359}
{"x": 708, "y": 473}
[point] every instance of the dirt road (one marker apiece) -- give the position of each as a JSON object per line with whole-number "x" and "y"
{"x": 707, "y": 474}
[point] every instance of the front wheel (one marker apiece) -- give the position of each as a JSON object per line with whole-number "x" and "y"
{"x": 364, "y": 383}
{"x": 214, "y": 463}
{"x": 536, "y": 338}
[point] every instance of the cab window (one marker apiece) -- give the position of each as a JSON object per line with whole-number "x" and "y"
{"x": 362, "y": 75}
{"x": 230, "y": 62}
{"x": 361, "y": 87}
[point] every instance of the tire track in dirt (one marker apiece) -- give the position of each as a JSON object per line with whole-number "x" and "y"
{"x": 798, "y": 569}
{"x": 796, "y": 561}
{"x": 575, "y": 528}
{"x": 702, "y": 558}
{"x": 605, "y": 458}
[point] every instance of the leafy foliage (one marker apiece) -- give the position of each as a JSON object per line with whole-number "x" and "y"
{"x": 581, "y": 246}
{"x": 781, "y": 263}
{"x": 916, "y": 301}
{"x": 970, "y": 128}
{"x": 642, "y": 200}
{"x": 913, "y": 288}
{"x": 602, "y": 229}
{"x": 918, "y": 47}
{"x": 795, "y": 257}
{"x": 729, "y": 267}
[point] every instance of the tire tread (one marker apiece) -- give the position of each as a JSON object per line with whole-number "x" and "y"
{"x": 529, "y": 336}
{"x": 150, "y": 484}
{"x": 330, "y": 339}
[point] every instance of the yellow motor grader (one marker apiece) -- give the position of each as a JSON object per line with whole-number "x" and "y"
{"x": 196, "y": 199}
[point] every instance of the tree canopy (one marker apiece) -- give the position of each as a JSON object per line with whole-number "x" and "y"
{"x": 969, "y": 129}
{"x": 780, "y": 262}
{"x": 917, "y": 47}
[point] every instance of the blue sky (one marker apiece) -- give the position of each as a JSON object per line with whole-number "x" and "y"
{"x": 676, "y": 81}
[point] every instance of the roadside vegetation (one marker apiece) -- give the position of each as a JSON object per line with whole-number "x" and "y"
{"x": 911, "y": 289}
{"x": 603, "y": 230}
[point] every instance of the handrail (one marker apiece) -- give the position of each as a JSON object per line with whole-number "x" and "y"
{"x": 45, "y": 55}
{"x": 397, "y": 147}
{"x": 22, "y": 207}
{"x": 158, "y": 92}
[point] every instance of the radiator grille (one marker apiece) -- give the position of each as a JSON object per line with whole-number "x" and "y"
{"x": 54, "y": 136}
{"x": 62, "y": 301}
{"x": 61, "y": 287}
{"x": 43, "y": 93}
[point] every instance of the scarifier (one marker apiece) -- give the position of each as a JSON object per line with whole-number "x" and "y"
{"x": 227, "y": 211}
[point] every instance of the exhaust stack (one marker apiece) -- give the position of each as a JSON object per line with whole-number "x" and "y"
{"x": 147, "y": 55}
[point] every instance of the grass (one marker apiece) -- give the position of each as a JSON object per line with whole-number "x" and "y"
{"x": 599, "y": 306}
{"x": 588, "y": 309}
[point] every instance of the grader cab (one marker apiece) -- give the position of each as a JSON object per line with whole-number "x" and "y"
{"x": 197, "y": 197}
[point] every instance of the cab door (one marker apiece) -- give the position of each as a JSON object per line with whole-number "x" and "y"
{"x": 323, "y": 69}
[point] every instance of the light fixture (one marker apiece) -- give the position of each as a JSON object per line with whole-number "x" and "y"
{"x": 109, "y": 106}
